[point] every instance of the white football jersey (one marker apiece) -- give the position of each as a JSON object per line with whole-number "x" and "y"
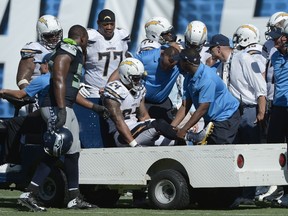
{"x": 204, "y": 54}
{"x": 37, "y": 51}
{"x": 128, "y": 102}
{"x": 147, "y": 44}
{"x": 256, "y": 51}
{"x": 103, "y": 57}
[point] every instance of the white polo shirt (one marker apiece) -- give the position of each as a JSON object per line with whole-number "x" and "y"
{"x": 246, "y": 82}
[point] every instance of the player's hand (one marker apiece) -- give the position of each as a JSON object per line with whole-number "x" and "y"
{"x": 84, "y": 90}
{"x": 101, "y": 91}
{"x": 61, "y": 118}
{"x": 101, "y": 110}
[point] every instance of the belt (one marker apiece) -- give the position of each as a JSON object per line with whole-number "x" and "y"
{"x": 249, "y": 105}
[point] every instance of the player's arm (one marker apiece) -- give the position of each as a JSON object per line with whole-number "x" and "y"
{"x": 117, "y": 117}
{"x": 60, "y": 71}
{"x": 25, "y": 70}
{"x": 14, "y": 93}
{"x": 143, "y": 113}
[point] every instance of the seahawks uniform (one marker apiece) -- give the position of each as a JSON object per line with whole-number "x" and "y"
{"x": 143, "y": 132}
{"x": 49, "y": 109}
{"x": 103, "y": 57}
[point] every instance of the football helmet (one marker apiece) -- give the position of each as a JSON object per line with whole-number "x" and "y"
{"x": 285, "y": 27}
{"x": 195, "y": 34}
{"x": 131, "y": 72}
{"x": 49, "y": 30}
{"x": 245, "y": 35}
{"x": 57, "y": 143}
{"x": 157, "y": 28}
{"x": 275, "y": 22}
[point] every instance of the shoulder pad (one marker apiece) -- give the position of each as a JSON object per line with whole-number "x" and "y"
{"x": 93, "y": 35}
{"x": 115, "y": 90}
{"x": 124, "y": 35}
{"x": 253, "y": 52}
{"x": 30, "y": 50}
{"x": 29, "y": 53}
{"x": 72, "y": 49}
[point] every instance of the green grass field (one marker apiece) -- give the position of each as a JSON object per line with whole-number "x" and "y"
{"x": 9, "y": 206}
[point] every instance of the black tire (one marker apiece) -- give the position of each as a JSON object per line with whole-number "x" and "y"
{"x": 102, "y": 197}
{"x": 54, "y": 189}
{"x": 168, "y": 189}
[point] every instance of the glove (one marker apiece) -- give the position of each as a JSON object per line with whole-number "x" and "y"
{"x": 61, "y": 118}
{"x": 101, "y": 110}
{"x": 83, "y": 90}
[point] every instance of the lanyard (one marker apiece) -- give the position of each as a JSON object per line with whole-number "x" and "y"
{"x": 226, "y": 66}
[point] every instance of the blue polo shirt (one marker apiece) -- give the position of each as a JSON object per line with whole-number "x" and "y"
{"x": 158, "y": 83}
{"x": 40, "y": 86}
{"x": 207, "y": 87}
{"x": 280, "y": 65}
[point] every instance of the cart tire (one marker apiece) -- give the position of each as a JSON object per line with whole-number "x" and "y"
{"x": 168, "y": 189}
{"x": 53, "y": 191}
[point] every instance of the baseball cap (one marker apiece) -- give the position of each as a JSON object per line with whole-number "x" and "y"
{"x": 218, "y": 40}
{"x": 46, "y": 58}
{"x": 190, "y": 55}
{"x": 106, "y": 16}
{"x": 275, "y": 32}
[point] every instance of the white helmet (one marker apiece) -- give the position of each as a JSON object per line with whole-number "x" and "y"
{"x": 246, "y": 34}
{"x": 195, "y": 34}
{"x": 131, "y": 71}
{"x": 285, "y": 27}
{"x": 156, "y": 27}
{"x": 49, "y": 30}
{"x": 275, "y": 22}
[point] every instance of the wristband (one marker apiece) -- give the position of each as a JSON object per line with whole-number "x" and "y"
{"x": 23, "y": 81}
{"x": 133, "y": 143}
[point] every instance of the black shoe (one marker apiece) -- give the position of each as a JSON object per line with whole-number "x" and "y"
{"x": 29, "y": 200}
{"x": 79, "y": 203}
{"x": 241, "y": 201}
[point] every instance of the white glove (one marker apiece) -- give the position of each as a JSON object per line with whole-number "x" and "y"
{"x": 83, "y": 90}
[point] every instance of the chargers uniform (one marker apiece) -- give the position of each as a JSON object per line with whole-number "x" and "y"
{"x": 37, "y": 51}
{"x": 143, "y": 132}
{"x": 103, "y": 57}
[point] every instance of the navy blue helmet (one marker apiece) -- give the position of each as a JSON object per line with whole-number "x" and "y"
{"x": 57, "y": 143}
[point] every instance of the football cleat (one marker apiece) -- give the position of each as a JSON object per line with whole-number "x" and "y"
{"x": 282, "y": 202}
{"x": 271, "y": 198}
{"x": 79, "y": 203}
{"x": 29, "y": 200}
{"x": 200, "y": 138}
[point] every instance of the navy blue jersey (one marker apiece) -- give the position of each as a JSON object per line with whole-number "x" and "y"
{"x": 73, "y": 76}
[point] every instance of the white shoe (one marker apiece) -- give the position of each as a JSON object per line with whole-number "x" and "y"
{"x": 200, "y": 138}
{"x": 8, "y": 167}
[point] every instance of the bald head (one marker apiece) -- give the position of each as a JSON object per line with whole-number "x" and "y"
{"x": 77, "y": 31}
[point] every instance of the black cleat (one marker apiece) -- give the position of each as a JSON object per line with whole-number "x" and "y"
{"x": 29, "y": 200}
{"x": 79, "y": 203}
